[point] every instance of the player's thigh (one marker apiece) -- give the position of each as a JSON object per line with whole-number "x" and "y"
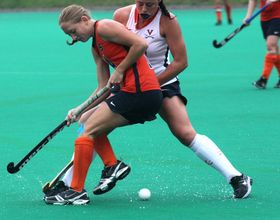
{"x": 86, "y": 115}
{"x": 272, "y": 42}
{"x": 174, "y": 112}
{"x": 103, "y": 120}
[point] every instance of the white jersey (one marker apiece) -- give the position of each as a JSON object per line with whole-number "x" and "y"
{"x": 158, "y": 50}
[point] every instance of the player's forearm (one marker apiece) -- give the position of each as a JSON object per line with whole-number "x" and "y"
{"x": 134, "y": 54}
{"x": 173, "y": 70}
{"x": 95, "y": 103}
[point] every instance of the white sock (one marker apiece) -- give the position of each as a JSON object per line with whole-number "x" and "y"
{"x": 67, "y": 179}
{"x": 208, "y": 151}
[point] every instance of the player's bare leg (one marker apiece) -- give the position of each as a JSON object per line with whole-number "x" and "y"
{"x": 218, "y": 11}
{"x": 174, "y": 112}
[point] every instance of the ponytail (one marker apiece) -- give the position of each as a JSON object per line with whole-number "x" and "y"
{"x": 164, "y": 10}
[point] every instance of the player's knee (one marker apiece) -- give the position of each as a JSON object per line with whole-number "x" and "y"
{"x": 185, "y": 136}
{"x": 90, "y": 133}
{"x": 271, "y": 46}
{"x": 82, "y": 119}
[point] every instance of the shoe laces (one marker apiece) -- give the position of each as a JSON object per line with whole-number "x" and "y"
{"x": 60, "y": 186}
{"x": 263, "y": 80}
{"x": 235, "y": 181}
{"x": 107, "y": 171}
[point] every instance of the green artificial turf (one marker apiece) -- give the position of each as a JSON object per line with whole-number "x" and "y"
{"x": 42, "y": 78}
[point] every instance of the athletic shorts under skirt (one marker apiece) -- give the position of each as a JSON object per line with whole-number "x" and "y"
{"x": 173, "y": 89}
{"x": 170, "y": 90}
{"x": 136, "y": 107}
{"x": 271, "y": 27}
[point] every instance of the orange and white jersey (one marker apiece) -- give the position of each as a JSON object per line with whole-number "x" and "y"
{"x": 140, "y": 77}
{"x": 158, "y": 50}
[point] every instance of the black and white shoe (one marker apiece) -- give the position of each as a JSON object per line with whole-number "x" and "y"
{"x": 261, "y": 83}
{"x": 59, "y": 187}
{"x": 241, "y": 186}
{"x": 110, "y": 175}
{"x": 277, "y": 85}
{"x": 218, "y": 23}
{"x": 69, "y": 196}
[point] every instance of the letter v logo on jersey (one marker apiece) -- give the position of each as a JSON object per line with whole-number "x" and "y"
{"x": 150, "y": 32}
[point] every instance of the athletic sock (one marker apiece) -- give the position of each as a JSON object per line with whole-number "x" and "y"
{"x": 269, "y": 61}
{"x": 67, "y": 179}
{"x": 82, "y": 160}
{"x": 104, "y": 149}
{"x": 228, "y": 11}
{"x": 277, "y": 64}
{"x": 218, "y": 10}
{"x": 207, "y": 151}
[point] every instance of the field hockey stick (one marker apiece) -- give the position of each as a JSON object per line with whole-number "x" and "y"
{"x": 14, "y": 169}
{"x": 50, "y": 185}
{"x": 218, "y": 45}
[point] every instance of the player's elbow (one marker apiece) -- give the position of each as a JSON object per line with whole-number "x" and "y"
{"x": 181, "y": 62}
{"x": 145, "y": 45}
{"x": 184, "y": 64}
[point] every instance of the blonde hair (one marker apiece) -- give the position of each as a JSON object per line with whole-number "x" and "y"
{"x": 73, "y": 14}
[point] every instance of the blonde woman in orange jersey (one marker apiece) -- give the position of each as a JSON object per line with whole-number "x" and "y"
{"x": 152, "y": 21}
{"x": 138, "y": 100}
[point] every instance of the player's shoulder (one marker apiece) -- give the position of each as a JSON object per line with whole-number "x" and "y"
{"x": 106, "y": 25}
{"x": 104, "y": 22}
{"x": 122, "y": 14}
{"x": 169, "y": 23}
{"x": 171, "y": 20}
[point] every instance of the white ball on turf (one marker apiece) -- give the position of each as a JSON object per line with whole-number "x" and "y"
{"x": 144, "y": 194}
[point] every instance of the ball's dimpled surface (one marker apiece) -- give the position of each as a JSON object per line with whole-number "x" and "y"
{"x": 144, "y": 194}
